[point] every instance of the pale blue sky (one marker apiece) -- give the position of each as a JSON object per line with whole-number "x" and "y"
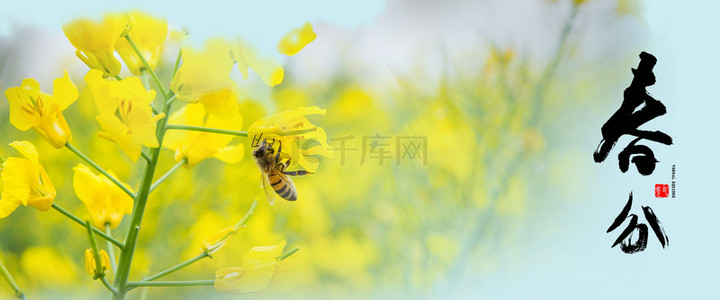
{"x": 258, "y": 21}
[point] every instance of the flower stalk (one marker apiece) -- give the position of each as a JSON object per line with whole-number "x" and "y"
{"x": 177, "y": 267}
{"x": 6, "y": 274}
{"x": 205, "y": 129}
{"x": 204, "y": 254}
{"x": 135, "y": 284}
{"x": 95, "y": 230}
{"x": 99, "y": 169}
{"x": 232, "y": 132}
{"x": 123, "y": 272}
{"x": 288, "y": 253}
{"x": 168, "y": 174}
{"x": 111, "y": 252}
{"x": 177, "y": 64}
{"x": 99, "y": 269}
{"x": 147, "y": 67}
{"x": 99, "y": 272}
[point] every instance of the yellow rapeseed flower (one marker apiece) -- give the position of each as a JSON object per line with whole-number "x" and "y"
{"x": 296, "y": 40}
{"x": 25, "y": 181}
{"x": 31, "y": 108}
{"x": 203, "y": 72}
{"x": 301, "y": 140}
{"x": 105, "y": 201}
{"x": 90, "y": 262}
{"x": 95, "y": 42}
{"x": 125, "y": 112}
{"x": 196, "y": 146}
{"x": 148, "y": 34}
{"x": 218, "y": 240}
{"x": 246, "y": 56}
{"x": 256, "y": 274}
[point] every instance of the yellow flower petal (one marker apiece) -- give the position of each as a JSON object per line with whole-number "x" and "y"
{"x": 25, "y": 182}
{"x": 8, "y": 205}
{"x": 125, "y": 112}
{"x": 259, "y": 268}
{"x": 31, "y": 108}
{"x": 296, "y": 40}
{"x": 22, "y": 108}
{"x": 90, "y": 262}
{"x": 300, "y": 147}
{"x": 27, "y": 149}
{"x": 257, "y": 279}
{"x": 203, "y": 72}
{"x": 43, "y": 194}
{"x": 64, "y": 92}
{"x": 95, "y": 42}
{"x": 196, "y": 146}
{"x": 225, "y": 279}
{"x": 19, "y": 176}
{"x": 148, "y": 34}
{"x": 218, "y": 240}
{"x": 269, "y": 69}
{"x": 116, "y": 131}
{"x": 105, "y": 201}
{"x": 230, "y": 154}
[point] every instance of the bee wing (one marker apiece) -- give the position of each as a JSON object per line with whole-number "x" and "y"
{"x": 269, "y": 192}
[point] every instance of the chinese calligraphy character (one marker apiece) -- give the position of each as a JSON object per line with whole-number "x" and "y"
{"x": 626, "y": 236}
{"x": 630, "y": 116}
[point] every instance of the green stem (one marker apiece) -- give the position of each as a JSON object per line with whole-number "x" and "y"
{"x": 177, "y": 267}
{"x": 81, "y": 222}
{"x": 171, "y": 101}
{"x": 2, "y": 159}
{"x": 205, "y": 129}
{"x": 288, "y": 253}
{"x": 200, "y": 256}
{"x": 167, "y": 175}
{"x": 145, "y": 156}
{"x": 110, "y": 251}
{"x": 5, "y": 273}
{"x": 109, "y": 286}
{"x": 126, "y": 257}
{"x": 177, "y": 64}
{"x": 146, "y": 84}
{"x": 145, "y": 81}
{"x": 99, "y": 272}
{"x": 232, "y": 132}
{"x": 247, "y": 215}
{"x": 118, "y": 77}
{"x": 155, "y": 111}
{"x": 99, "y": 169}
{"x": 134, "y": 284}
{"x": 147, "y": 67}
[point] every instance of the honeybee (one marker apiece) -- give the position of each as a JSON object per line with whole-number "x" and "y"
{"x": 274, "y": 177}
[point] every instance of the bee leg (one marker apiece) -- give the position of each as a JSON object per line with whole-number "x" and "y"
{"x": 256, "y": 142}
{"x": 277, "y": 157}
{"x": 296, "y": 173}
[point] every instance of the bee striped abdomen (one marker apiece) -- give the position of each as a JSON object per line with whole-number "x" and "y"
{"x": 282, "y": 186}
